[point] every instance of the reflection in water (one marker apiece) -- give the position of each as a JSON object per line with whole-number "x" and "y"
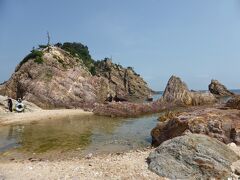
{"x": 87, "y": 133}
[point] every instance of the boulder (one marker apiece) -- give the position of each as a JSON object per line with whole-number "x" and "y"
{"x": 167, "y": 130}
{"x": 192, "y": 156}
{"x": 218, "y": 89}
{"x": 221, "y": 124}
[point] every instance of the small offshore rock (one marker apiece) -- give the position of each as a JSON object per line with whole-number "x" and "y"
{"x": 218, "y": 89}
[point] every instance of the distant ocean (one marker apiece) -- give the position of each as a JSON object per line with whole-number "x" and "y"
{"x": 236, "y": 91}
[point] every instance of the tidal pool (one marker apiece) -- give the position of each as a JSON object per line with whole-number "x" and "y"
{"x": 75, "y": 136}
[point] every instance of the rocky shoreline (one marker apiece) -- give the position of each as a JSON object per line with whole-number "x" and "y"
{"x": 191, "y": 143}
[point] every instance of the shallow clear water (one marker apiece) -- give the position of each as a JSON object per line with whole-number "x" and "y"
{"x": 76, "y": 136}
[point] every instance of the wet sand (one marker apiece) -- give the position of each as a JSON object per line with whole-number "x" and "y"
{"x": 11, "y": 118}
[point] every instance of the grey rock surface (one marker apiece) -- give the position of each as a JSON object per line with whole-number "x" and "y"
{"x": 192, "y": 156}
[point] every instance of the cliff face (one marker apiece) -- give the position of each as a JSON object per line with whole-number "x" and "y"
{"x": 124, "y": 82}
{"x": 53, "y": 78}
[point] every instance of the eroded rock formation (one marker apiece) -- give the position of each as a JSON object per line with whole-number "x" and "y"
{"x": 218, "y": 89}
{"x": 192, "y": 156}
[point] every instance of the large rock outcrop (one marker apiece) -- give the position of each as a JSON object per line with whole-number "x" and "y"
{"x": 177, "y": 92}
{"x": 55, "y": 78}
{"x": 218, "y": 89}
{"x": 192, "y": 156}
{"x": 218, "y": 123}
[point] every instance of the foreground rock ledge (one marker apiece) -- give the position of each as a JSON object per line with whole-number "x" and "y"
{"x": 192, "y": 156}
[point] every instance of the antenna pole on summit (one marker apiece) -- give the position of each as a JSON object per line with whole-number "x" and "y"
{"x": 48, "y": 44}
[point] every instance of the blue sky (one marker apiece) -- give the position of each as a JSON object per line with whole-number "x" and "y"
{"x": 198, "y": 40}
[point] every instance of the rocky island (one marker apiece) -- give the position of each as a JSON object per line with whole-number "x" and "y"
{"x": 65, "y": 76}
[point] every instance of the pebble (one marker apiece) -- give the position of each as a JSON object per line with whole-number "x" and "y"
{"x": 89, "y": 156}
